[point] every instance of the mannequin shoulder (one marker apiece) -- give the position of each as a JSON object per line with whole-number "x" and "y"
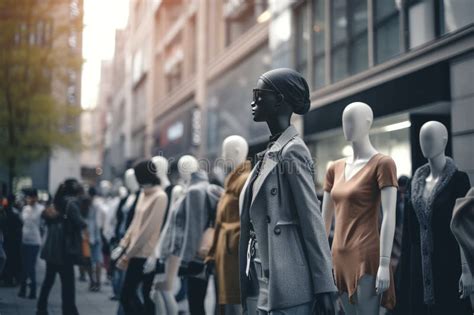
{"x": 386, "y": 161}
{"x": 295, "y": 148}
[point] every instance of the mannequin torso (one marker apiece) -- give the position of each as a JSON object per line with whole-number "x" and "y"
{"x": 357, "y": 120}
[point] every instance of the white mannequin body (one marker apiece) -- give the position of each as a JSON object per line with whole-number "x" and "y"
{"x": 357, "y": 120}
{"x": 433, "y": 140}
{"x": 132, "y": 185}
{"x": 234, "y": 152}
{"x": 163, "y": 291}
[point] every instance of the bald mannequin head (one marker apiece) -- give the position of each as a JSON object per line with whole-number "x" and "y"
{"x": 131, "y": 181}
{"x": 187, "y": 165}
{"x": 234, "y": 150}
{"x": 433, "y": 139}
{"x": 357, "y": 119}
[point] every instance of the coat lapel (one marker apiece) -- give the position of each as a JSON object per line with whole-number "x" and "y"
{"x": 271, "y": 159}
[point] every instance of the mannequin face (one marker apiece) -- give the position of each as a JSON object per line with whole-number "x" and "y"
{"x": 105, "y": 187}
{"x": 187, "y": 165}
{"x": 131, "y": 180}
{"x": 356, "y": 121}
{"x": 265, "y": 102}
{"x": 161, "y": 165}
{"x": 433, "y": 139}
{"x": 234, "y": 151}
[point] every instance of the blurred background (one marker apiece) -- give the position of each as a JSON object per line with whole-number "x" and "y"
{"x": 90, "y": 86}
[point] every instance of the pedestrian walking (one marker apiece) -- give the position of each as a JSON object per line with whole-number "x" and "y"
{"x": 31, "y": 241}
{"x": 62, "y": 248}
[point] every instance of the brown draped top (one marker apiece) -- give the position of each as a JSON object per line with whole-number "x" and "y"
{"x": 357, "y": 200}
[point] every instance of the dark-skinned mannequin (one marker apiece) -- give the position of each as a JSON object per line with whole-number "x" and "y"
{"x": 296, "y": 224}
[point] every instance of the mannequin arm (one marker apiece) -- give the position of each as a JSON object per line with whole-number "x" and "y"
{"x": 387, "y": 231}
{"x": 465, "y": 282}
{"x": 328, "y": 211}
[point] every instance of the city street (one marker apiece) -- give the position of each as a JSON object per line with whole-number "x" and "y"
{"x": 90, "y": 303}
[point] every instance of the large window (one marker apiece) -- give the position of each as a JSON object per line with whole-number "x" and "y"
{"x": 349, "y": 48}
{"x": 319, "y": 33}
{"x": 386, "y": 29}
{"x": 457, "y": 14}
{"x": 302, "y": 39}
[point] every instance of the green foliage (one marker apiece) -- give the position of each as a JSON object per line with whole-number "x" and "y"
{"x": 35, "y": 72}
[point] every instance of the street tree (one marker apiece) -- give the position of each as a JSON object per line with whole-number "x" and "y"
{"x": 38, "y": 110}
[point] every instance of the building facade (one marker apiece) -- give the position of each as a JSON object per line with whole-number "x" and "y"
{"x": 409, "y": 60}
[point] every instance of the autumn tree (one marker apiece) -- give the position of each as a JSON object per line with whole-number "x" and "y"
{"x": 38, "y": 64}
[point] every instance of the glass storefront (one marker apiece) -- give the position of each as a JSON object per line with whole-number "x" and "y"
{"x": 390, "y": 136}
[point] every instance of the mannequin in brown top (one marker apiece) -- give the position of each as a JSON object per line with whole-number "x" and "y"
{"x": 354, "y": 190}
{"x": 224, "y": 252}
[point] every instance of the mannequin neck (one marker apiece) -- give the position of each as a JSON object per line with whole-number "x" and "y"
{"x": 437, "y": 164}
{"x": 165, "y": 182}
{"x": 362, "y": 149}
{"x": 278, "y": 124}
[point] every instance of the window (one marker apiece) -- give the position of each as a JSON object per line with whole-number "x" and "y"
{"x": 386, "y": 30}
{"x": 349, "y": 46}
{"x": 319, "y": 33}
{"x": 421, "y": 22}
{"x": 302, "y": 39}
{"x": 457, "y": 14}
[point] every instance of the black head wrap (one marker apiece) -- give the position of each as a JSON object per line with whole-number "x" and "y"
{"x": 292, "y": 85}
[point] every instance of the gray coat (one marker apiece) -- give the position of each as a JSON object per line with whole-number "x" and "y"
{"x": 189, "y": 219}
{"x": 285, "y": 203}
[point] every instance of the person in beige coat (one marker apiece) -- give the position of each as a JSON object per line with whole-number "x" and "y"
{"x": 139, "y": 241}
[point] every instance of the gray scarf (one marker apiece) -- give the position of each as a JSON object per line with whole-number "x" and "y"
{"x": 424, "y": 211}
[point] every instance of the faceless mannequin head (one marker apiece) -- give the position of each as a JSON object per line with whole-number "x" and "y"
{"x": 161, "y": 164}
{"x": 234, "y": 151}
{"x": 357, "y": 119}
{"x": 123, "y": 192}
{"x": 131, "y": 180}
{"x": 433, "y": 139}
{"x": 187, "y": 165}
{"x": 146, "y": 174}
{"x": 105, "y": 188}
{"x": 280, "y": 93}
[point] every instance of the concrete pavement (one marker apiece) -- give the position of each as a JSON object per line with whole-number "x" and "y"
{"x": 88, "y": 303}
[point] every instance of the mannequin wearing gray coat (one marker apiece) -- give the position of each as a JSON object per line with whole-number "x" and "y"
{"x": 286, "y": 205}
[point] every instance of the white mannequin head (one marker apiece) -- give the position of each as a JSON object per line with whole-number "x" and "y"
{"x": 105, "y": 187}
{"x": 161, "y": 165}
{"x": 187, "y": 165}
{"x": 433, "y": 139}
{"x": 123, "y": 192}
{"x": 131, "y": 180}
{"x": 234, "y": 151}
{"x": 357, "y": 119}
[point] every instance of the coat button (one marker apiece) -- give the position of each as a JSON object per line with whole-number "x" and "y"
{"x": 277, "y": 230}
{"x": 274, "y": 191}
{"x": 268, "y": 219}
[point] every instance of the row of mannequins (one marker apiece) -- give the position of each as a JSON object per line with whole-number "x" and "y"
{"x": 268, "y": 231}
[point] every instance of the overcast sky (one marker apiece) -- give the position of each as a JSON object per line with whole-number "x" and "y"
{"x": 101, "y": 19}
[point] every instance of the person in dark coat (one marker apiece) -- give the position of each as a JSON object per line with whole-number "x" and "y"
{"x": 62, "y": 248}
{"x": 12, "y": 242}
{"x": 445, "y": 253}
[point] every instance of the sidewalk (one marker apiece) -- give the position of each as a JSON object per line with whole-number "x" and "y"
{"x": 88, "y": 303}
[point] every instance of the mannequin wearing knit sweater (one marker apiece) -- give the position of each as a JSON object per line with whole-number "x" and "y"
{"x": 139, "y": 241}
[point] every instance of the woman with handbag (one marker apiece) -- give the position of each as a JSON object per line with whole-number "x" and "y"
{"x": 62, "y": 248}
